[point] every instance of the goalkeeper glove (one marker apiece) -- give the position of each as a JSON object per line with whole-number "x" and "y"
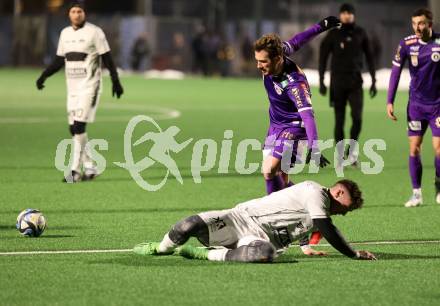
{"x": 40, "y": 82}
{"x": 117, "y": 89}
{"x": 329, "y": 22}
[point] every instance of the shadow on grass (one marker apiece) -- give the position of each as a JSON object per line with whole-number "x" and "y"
{"x": 8, "y": 227}
{"x": 133, "y": 260}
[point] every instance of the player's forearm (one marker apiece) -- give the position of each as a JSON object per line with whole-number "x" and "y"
{"x": 110, "y": 65}
{"x": 310, "y": 126}
{"x": 332, "y": 235}
{"x": 394, "y": 82}
{"x": 300, "y": 39}
{"x": 54, "y": 67}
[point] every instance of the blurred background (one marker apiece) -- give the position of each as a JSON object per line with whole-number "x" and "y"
{"x": 207, "y": 37}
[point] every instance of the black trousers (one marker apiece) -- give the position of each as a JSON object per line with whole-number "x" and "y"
{"x": 340, "y": 95}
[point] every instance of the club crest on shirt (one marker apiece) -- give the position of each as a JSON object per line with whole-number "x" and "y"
{"x": 414, "y": 60}
{"x": 435, "y": 57}
{"x": 278, "y": 89}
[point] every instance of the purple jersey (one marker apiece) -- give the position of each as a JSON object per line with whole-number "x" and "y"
{"x": 424, "y": 69}
{"x": 289, "y": 93}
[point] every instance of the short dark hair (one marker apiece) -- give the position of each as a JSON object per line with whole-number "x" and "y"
{"x": 77, "y": 3}
{"x": 347, "y": 7}
{"x": 355, "y": 193}
{"x": 271, "y": 43}
{"x": 423, "y": 12}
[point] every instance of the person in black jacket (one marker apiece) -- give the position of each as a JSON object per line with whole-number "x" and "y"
{"x": 347, "y": 44}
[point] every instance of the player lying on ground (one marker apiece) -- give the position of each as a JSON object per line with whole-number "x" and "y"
{"x": 260, "y": 229}
{"x": 423, "y": 52}
{"x": 81, "y": 47}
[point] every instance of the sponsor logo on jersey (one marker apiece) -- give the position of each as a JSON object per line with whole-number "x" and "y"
{"x": 435, "y": 57}
{"x": 397, "y": 56}
{"x": 434, "y": 49}
{"x": 415, "y": 125}
{"x": 295, "y": 92}
{"x": 414, "y": 60}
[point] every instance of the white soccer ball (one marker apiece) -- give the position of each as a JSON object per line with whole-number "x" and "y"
{"x": 31, "y": 222}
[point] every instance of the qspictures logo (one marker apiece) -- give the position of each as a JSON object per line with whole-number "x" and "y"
{"x": 207, "y": 153}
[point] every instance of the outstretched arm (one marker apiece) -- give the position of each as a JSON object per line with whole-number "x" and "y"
{"x": 299, "y": 40}
{"x": 398, "y": 62}
{"x": 55, "y": 66}
{"x": 110, "y": 65}
{"x": 336, "y": 240}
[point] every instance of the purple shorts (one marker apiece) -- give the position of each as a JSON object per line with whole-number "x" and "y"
{"x": 420, "y": 116}
{"x": 282, "y": 141}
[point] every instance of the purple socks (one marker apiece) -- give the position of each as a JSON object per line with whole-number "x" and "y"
{"x": 274, "y": 184}
{"x": 415, "y": 170}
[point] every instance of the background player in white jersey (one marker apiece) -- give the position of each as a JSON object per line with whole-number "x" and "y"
{"x": 258, "y": 230}
{"x": 81, "y": 47}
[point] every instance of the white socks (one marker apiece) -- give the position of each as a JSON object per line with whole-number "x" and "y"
{"x": 417, "y": 191}
{"x": 166, "y": 245}
{"x": 79, "y": 142}
{"x": 217, "y": 254}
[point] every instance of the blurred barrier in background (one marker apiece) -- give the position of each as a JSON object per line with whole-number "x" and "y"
{"x": 210, "y": 37}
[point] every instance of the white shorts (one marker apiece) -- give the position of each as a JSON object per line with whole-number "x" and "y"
{"x": 231, "y": 228}
{"x": 82, "y": 107}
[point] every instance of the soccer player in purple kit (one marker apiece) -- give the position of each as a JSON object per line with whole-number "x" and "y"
{"x": 290, "y": 111}
{"x": 423, "y": 52}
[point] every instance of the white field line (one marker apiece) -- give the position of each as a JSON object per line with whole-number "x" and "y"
{"x": 129, "y": 250}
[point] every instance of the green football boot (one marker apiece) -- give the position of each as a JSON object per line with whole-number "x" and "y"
{"x": 191, "y": 252}
{"x": 147, "y": 248}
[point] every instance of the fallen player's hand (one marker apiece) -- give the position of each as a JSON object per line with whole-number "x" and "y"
{"x": 373, "y": 90}
{"x": 40, "y": 82}
{"x": 365, "y": 255}
{"x": 390, "y": 112}
{"x": 117, "y": 89}
{"x": 314, "y": 155}
{"x": 329, "y": 22}
{"x": 322, "y": 89}
{"x": 311, "y": 252}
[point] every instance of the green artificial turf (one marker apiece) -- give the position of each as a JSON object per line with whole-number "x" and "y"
{"x": 113, "y": 212}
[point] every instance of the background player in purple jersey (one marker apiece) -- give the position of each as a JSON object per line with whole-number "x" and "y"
{"x": 290, "y": 111}
{"x": 423, "y": 52}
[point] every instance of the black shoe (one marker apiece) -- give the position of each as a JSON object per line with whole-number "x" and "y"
{"x": 89, "y": 174}
{"x": 72, "y": 177}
